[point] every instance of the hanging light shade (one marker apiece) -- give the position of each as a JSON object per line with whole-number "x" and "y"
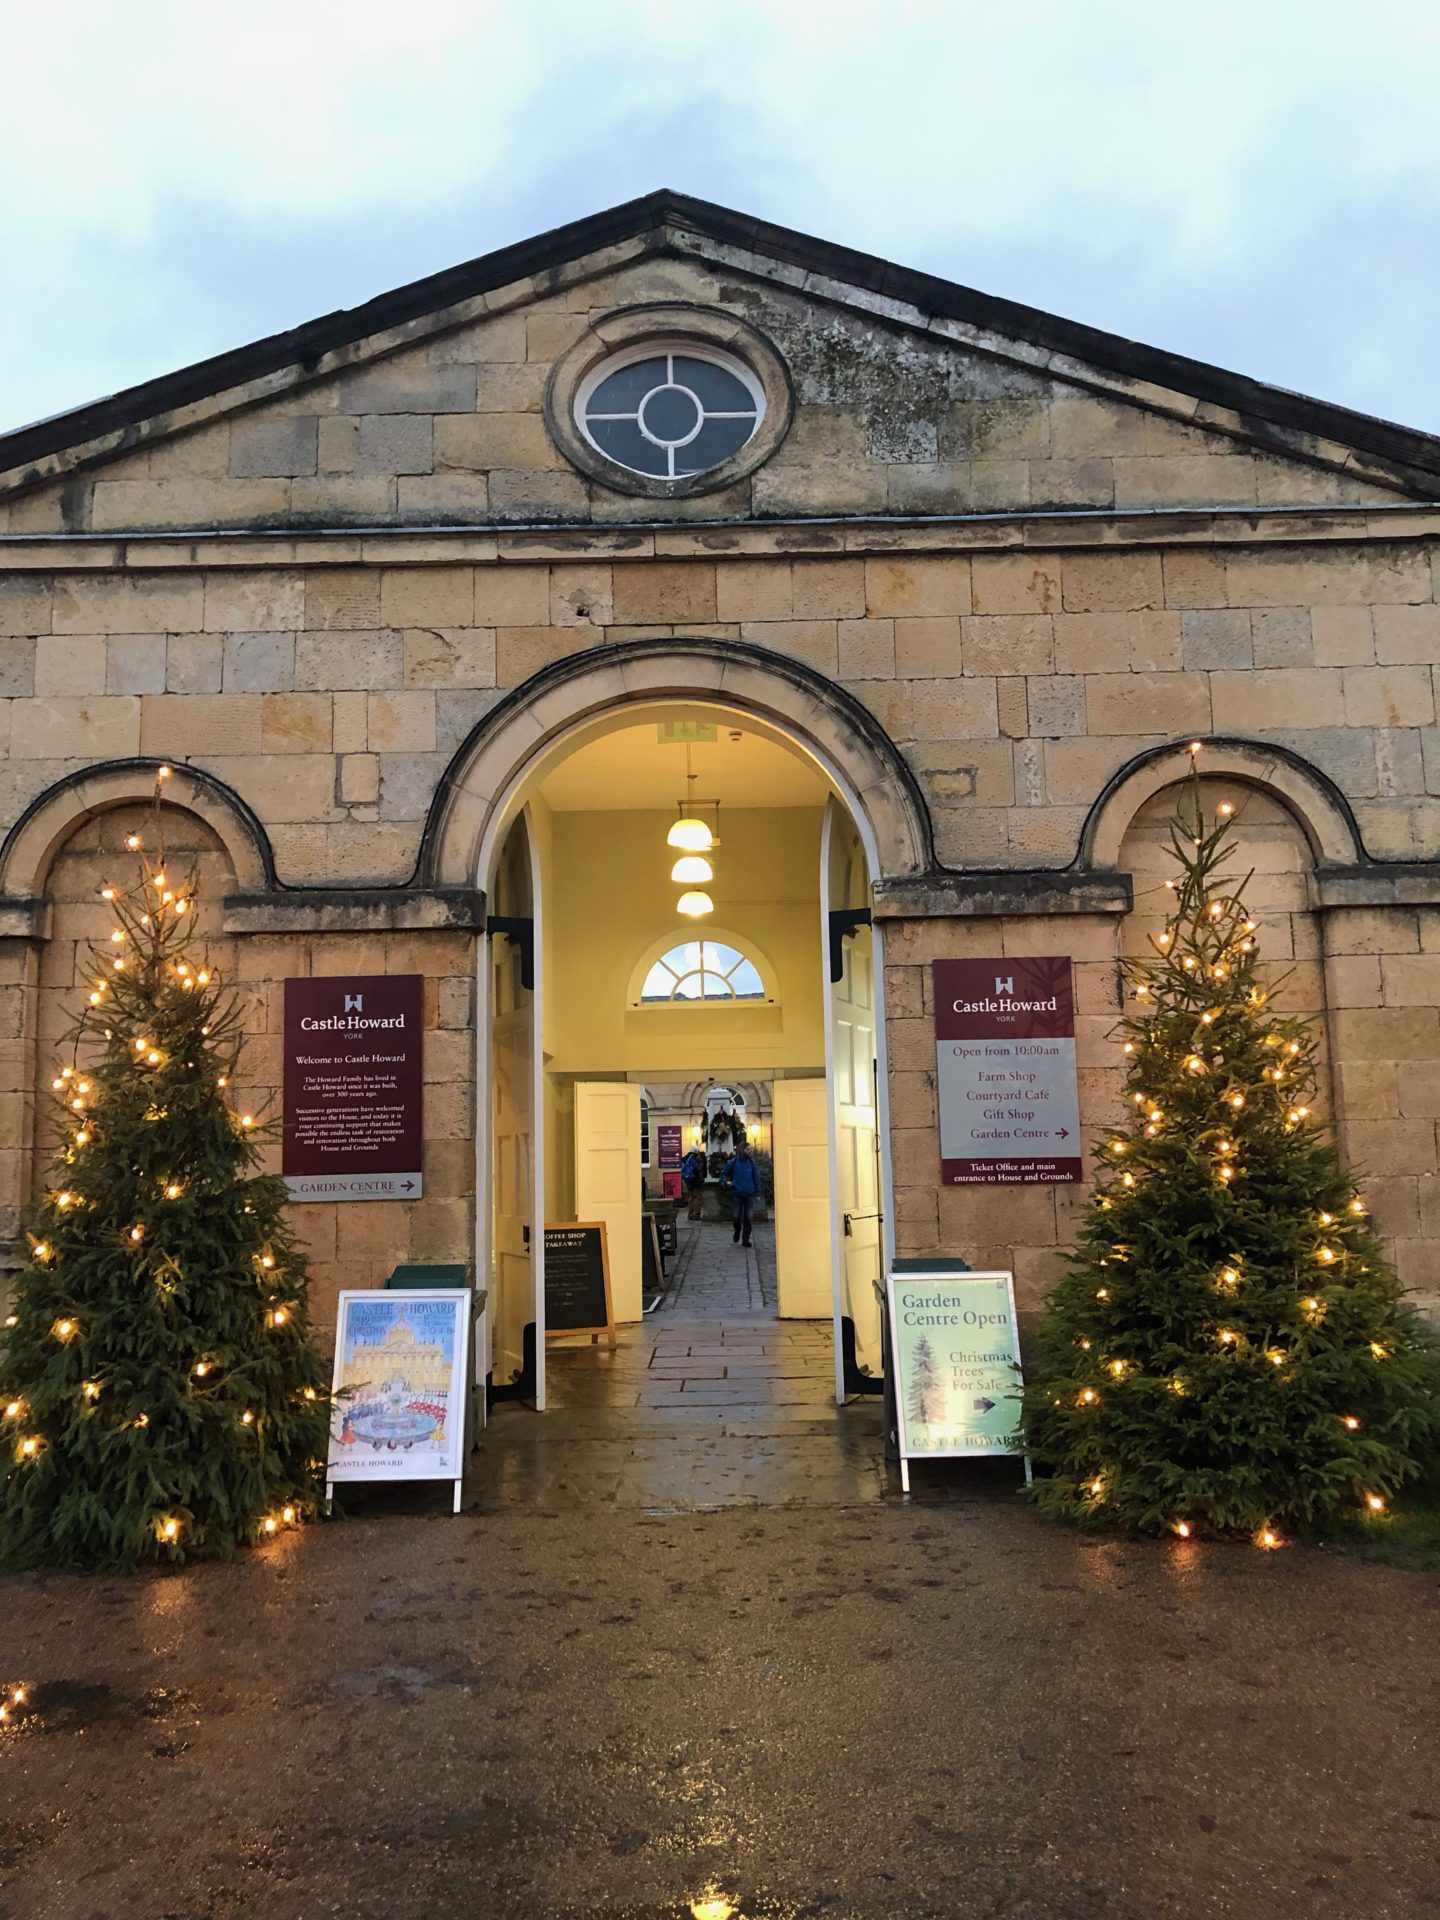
{"x": 692, "y": 870}
{"x": 694, "y": 904}
{"x": 690, "y": 836}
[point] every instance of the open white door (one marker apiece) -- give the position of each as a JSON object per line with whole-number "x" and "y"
{"x": 516, "y": 1272}
{"x": 852, "y": 1045}
{"x": 803, "y": 1214}
{"x": 607, "y": 1180}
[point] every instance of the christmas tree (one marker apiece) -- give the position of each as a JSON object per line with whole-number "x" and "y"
{"x": 1229, "y": 1351}
{"x": 159, "y": 1395}
{"x": 924, "y": 1378}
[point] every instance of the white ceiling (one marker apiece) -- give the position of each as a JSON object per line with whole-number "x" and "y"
{"x": 628, "y": 770}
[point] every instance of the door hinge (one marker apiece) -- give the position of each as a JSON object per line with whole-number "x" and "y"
{"x": 844, "y": 921}
{"x": 520, "y": 929}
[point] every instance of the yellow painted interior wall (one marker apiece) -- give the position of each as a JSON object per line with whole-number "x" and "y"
{"x": 608, "y": 897}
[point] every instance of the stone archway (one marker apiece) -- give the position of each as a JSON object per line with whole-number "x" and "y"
{"x": 841, "y": 735}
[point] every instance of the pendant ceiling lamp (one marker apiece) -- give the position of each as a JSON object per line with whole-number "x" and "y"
{"x": 692, "y": 870}
{"x": 694, "y": 904}
{"x": 689, "y": 834}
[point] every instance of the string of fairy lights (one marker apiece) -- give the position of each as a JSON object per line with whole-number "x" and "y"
{"x": 77, "y": 1093}
{"x": 1228, "y": 932}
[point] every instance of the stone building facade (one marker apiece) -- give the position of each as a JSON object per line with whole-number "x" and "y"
{"x": 996, "y": 568}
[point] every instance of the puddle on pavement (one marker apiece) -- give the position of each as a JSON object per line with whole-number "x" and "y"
{"x": 81, "y": 1706}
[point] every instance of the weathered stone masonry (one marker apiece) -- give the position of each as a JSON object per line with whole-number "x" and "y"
{"x": 314, "y": 574}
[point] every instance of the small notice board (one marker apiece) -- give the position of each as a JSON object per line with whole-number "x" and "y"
{"x": 577, "y": 1279}
{"x": 955, "y": 1356}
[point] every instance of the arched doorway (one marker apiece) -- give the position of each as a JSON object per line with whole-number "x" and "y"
{"x": 579, "y": 778}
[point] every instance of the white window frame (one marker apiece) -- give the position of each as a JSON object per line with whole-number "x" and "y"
{"x": 667, "y": 349}
{"x": 716, "y": 936}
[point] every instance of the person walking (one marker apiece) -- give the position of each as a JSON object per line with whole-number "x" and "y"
{"x": 742, "y": 1177}
{"x": 692, "y": 1178}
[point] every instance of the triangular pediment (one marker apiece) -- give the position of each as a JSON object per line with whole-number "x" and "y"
{"x": 912, "y": 395}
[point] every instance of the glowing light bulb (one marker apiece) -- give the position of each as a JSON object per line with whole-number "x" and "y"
{"x": 42, "y": 1249}
{"x": 90, "y": 1389}
{"x": 279, "y": 1317}
{"x": 267, "y": 1260}
{"x": 1096, "y": 1486}
{"x": 688, "y": 835}
{"x": 1187, "y": 961}
{"x": 137, "y": 1233}
{"x": 1357, "y": 1206}
{"x": 1118, "y": 1146}
{"x": 1267, "y": 1537}
{"x": 132, "y": 841}
{"x": 142, "y": 1419}
{"x": 172, "y": 1192}
{"x": 1165, "y": 939}
{"x": 247, "y": 1419}
{"x": 1229, "y": 1277}
{"x": 1226, "y": 1174}
{"x": 14, "y": 1409}
{"x": 1182, "y": 1527}
{"x": 1102, "y": 1293}
{"x": 1375, "y": 1503}
{"x": 170, "y": 1529}
{"x": 29, "y": 1447}
{"x": 287, "y": 1514}
{"x": 692, "y": 870}
{"x": 309, "y": 1393}
{"x": 1276, "y": 1357}
{"x": 1227, "y": 1337}
{"x": 1225, "y": 809}
{"x": 1127, "y": 1179}
{"x": 1177, "y": 1385}
{"x": 1380, "y": 1353}
{"x": 1129, "y": 1047}
{"x": 64, "y": 1329}
{"x": 1237, "y": 1100}
{"x": 202, "y": 1367}
{"x": 1117, "y": 1367}
{"x": 1088, "y": 1397}
{"x": 1194, "y": 1064}
{"x": 107, "y": 893}
{"x": 1327, "y": 1256}
{"x": 1216, "y": 911}
{"x": 153, "y": 1058}
{"x": 1195, "y": 746}
{"x": 1351, "y": 1423}
{"x": 270, "y": 1523}
{"x": 1327, "y": 1219}
{"x": 1207, "y": 1019}
{"x": 247, "y": 1120}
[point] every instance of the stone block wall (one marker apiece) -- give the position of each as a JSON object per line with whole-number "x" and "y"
{"x": 332, "y": 697}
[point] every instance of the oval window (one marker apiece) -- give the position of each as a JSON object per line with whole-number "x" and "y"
{"x": 669, "y": 411}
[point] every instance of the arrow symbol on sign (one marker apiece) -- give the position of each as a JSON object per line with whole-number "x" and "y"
{"x": 408, "y": 1185}
{"x": 1062, "y": 1133}
{"x": 982, "y": 1405}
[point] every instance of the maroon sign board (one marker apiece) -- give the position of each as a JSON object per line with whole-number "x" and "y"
{"x": 353, "y": 1087}
{"x": 671, "y": 1150}
{"x": 1005, "y": 1072}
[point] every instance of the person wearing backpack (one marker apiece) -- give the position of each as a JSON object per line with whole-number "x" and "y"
{"x": 692, "y": 1178}
{"x": 742, "y": 1177}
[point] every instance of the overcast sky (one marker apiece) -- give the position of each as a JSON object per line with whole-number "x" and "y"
{"x": 1257, "y": 185}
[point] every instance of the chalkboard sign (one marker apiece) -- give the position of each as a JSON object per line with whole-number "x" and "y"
{"x": 577, "y": 1279}
{"x": 652, "y": 1265}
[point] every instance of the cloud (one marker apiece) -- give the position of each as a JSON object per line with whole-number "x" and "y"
{"x": 1251, "y": 185}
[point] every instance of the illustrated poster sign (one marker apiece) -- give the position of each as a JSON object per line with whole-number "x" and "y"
{"x": 1005, "y": 1072}
{"x": 400, "y": 1373}
{"x": 672, "y": 1151}
{"x": 955, "y": 1348}
{"x": 353, "y": 1087}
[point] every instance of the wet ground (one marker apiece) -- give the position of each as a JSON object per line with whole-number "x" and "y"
{"x": 568, "y": 1703}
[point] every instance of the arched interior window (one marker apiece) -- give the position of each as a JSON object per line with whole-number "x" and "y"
{"x": 702, "y": 970}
